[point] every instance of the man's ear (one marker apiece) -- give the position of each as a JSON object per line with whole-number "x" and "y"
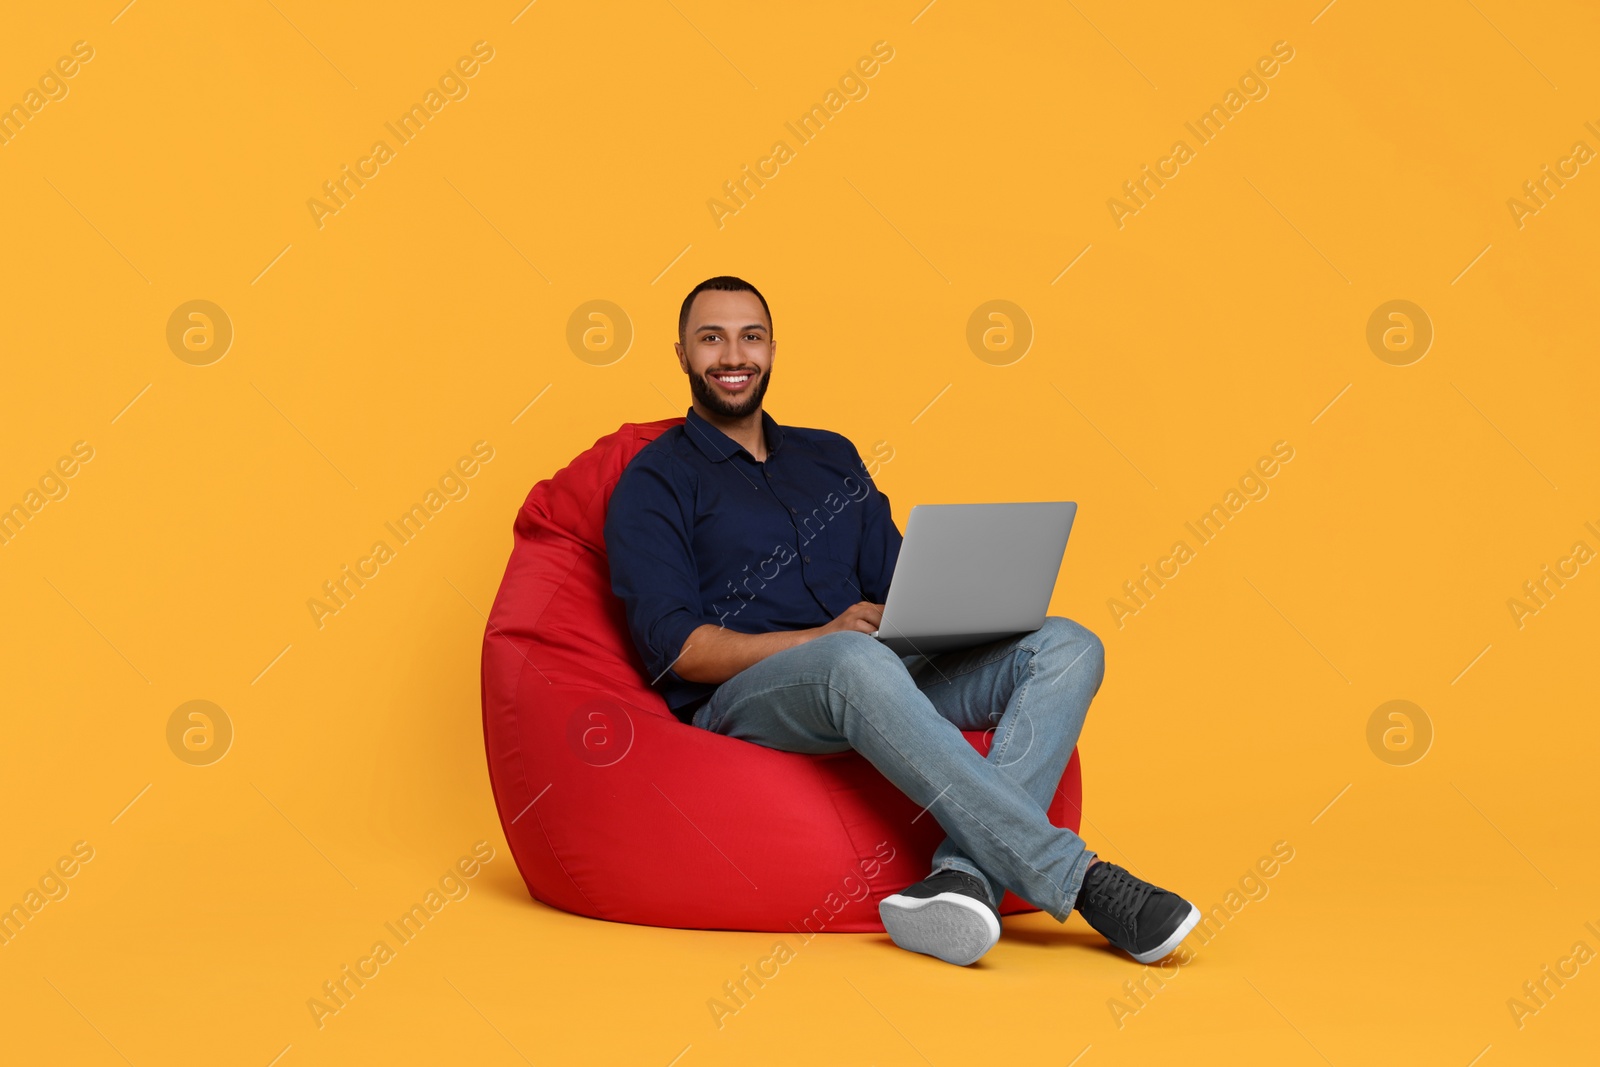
{"x": 683, "y": 359}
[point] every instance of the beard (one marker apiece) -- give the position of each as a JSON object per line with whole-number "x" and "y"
{"x": 713, "y": 401}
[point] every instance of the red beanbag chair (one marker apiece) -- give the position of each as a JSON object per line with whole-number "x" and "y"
{"x": 615, "y": 809}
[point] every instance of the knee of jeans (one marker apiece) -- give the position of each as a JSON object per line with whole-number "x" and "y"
{"x": 856, "y": 657}
{"x": 1075, "y": 645}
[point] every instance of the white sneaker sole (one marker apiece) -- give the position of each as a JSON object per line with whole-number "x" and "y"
{"x": 1163, "y": 950}
{"x": 953, "y": 927}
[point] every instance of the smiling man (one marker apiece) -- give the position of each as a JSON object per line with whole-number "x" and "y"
{"x": 754, "y": 560}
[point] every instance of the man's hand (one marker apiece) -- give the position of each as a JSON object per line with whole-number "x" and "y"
{"x": 714, "y": 654}
{"x": 863, "y": 618}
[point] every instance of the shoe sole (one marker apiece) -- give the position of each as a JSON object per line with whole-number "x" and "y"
{"x": 1163, "y": 950}
{"x": 949, "y": 926}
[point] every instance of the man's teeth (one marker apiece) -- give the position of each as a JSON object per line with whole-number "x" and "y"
{"x": 733, "y": 379}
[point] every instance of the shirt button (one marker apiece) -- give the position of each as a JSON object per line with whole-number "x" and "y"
{"x": 808, "y": 559}
{"x": 794, "y": 511}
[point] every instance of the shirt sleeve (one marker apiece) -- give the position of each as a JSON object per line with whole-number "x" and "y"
{"x": 649, "y": 543}
{"x": 880, "y": 540}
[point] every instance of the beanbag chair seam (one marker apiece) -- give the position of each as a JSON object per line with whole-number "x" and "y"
{"x": 550, "y": 844}
{"x": 495, "y": 784}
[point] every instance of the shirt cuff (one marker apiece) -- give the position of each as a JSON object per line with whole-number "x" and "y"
{"x": 671, "y": 634}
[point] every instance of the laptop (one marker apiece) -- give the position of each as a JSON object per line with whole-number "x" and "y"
{"x": 973, "y": 573}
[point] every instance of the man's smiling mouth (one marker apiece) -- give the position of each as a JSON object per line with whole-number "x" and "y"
{"x": 733, "y": 380}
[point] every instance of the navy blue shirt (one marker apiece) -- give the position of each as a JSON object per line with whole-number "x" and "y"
{"x": 699, "y": 532}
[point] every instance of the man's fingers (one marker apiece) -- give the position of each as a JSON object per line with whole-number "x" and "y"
{"x": 864, "y": 617}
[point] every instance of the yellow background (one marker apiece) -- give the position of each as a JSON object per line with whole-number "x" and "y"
{"x": 372, "y": 352}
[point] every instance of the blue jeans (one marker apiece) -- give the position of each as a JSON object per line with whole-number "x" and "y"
{"x": 847, "y": 690}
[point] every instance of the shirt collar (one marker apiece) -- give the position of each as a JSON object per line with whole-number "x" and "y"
{"x": 718, "y": 446}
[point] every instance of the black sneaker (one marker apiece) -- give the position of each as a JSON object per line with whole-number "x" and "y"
{"x": 1143, "y": 920}
{"x": 947, "y": 915}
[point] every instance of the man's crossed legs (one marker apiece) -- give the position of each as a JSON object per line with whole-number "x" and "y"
{"x": 847, "y": 690}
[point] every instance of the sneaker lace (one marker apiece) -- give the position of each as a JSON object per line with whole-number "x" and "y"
{"x": 1119, "y": 893}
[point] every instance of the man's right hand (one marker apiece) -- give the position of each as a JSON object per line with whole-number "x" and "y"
{"x": 863, "y": 618}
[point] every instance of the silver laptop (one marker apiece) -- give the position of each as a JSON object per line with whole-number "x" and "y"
{"x": 972, "y": 573}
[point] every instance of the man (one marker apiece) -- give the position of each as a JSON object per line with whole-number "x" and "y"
{"x": 754, "y": 560}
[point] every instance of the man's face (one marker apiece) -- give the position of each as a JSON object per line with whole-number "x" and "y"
{"x": 727, "y": 352}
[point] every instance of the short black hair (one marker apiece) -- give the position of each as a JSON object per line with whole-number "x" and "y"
{"x": 726, "y": 283}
